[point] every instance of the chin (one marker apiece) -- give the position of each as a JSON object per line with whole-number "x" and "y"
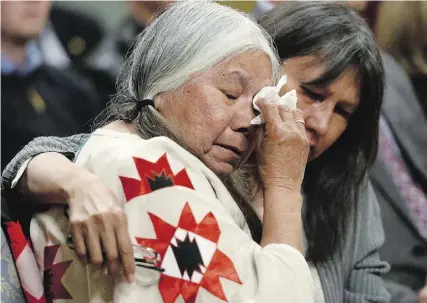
{"x": 220, "y": 169}
{"x": 312, "y": 155}
{"x": 29, "y": 34}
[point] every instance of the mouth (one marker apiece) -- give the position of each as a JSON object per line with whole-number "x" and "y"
{"x": 231, "y": 148}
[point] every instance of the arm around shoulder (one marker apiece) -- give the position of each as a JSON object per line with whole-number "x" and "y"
{"x": 68, "y": 146}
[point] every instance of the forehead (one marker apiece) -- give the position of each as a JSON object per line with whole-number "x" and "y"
{"x": 307, "y": 68}
{"x": 250, "y": 68}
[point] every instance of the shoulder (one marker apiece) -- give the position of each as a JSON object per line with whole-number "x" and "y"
{"x": 116, "y": 146}
{"x": 397, "y": 81}
{"x": 391, "y": 66}
{"x": 123, "y": 157}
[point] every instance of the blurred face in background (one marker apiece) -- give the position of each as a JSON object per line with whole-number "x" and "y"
{"x": 24, "y": 20}
{"x": 145, "y": 11}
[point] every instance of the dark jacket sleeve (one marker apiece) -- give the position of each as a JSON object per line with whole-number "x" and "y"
{"x": 68, "y": 146}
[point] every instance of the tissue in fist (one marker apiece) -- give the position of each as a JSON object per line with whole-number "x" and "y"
{"x": 271, "y": 94}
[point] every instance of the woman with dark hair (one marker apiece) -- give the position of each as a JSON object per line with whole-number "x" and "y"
{"x": 333, "y": 63}
{"x": 324, "y": 61}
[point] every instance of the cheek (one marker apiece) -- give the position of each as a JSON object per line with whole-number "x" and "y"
{"x": 336, "y": 129}
{"x": 207, "y": 125}
{"x": 9, "y": 21}
{"x": 303, "y": 103}
{"x": 199, "y": 124}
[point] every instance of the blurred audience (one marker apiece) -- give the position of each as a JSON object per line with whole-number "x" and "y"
{"x": 36, "y": 99}
{"x": 400, "y": 172}
{"x": 399, "y": 176}
{"x": 78, "y": 33}
{"x": 69, "y": 37}
{"x": 103, "y": 65}
{"x": 401, "y": 30}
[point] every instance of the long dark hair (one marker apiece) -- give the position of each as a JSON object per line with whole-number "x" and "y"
{"x": 336, "y": 35}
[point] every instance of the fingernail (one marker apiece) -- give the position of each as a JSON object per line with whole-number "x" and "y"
{"x": 131, "y": 277}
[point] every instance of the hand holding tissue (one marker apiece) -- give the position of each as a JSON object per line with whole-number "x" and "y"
{"x": 271, "y": 93}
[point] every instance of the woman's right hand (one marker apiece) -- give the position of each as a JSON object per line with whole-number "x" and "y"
{"x": 98, "y": 224}
{"x": 284, "y": 148}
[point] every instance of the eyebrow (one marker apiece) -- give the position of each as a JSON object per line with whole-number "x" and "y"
{"x": 346, "y": 103}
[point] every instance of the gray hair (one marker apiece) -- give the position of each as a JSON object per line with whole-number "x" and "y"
{"x": 189, "y": 38}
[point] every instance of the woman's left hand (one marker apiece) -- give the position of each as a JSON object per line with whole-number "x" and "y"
{"x": 98, "y": 222}
{"x": 284, "y": 148}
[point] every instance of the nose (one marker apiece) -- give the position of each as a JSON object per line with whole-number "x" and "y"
{"x": 244, "y": 113}
{"x": 318, "y": 117}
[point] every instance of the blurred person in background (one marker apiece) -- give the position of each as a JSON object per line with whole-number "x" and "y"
{"x": 399, "y": 177}
{"x": 401, "y": 31}
{"x": 69, "y": 37}
{"x": 78, "y": 32}
{"x": 399, "y": 174}
{"x": 103, "y": 64}
{"x": 36, "y": 99}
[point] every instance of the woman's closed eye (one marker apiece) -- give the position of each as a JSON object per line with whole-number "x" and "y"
{"x": 230, "y": 96}
{"x": 312, "y": 95}
{"x": 340, "y": 111}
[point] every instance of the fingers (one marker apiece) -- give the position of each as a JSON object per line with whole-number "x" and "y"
{"x": 78, "y": 241}
{"x": 294, "y": 117}
{"x": 109, "y": 244}
{"x": 105, "y": 239}
{"x": 125, "y": 249}
{"x": 269, "y": 111}
{"x": 99, "y": 231}
{"x": 298, "y": 117}
{"x": 93, "y": 244}
{"x": 285, "y": 113}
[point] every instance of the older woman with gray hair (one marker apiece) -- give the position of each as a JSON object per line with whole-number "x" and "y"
{"x": 180, "y": 120}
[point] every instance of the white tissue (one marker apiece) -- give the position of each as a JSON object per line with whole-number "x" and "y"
{"x": 271, "y": 94}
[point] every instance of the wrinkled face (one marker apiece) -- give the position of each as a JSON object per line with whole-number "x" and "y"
{"x": 24, "y": 19}
{"x": 212, "y": 112}
{"x": 327, "y": 110}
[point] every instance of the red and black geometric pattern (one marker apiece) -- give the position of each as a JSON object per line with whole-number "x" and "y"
{"x": 190, "y": 247}
{"x": 153, "y": 176}
{"x": 53, "y": 273}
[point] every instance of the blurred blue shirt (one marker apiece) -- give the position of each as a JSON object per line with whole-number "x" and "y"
{"x": 33, "y": 60}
